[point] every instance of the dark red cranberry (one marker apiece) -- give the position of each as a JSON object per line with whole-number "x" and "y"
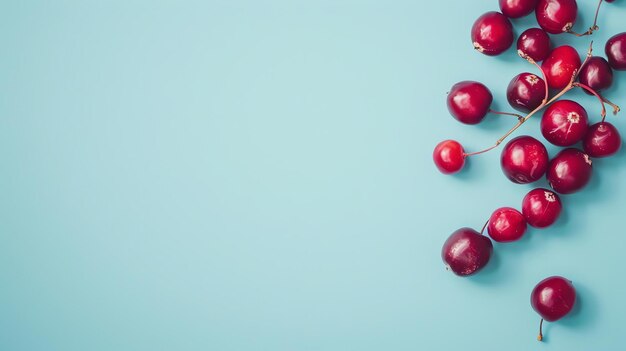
{"x": 492, "y": 33}
{"x": 596, "y": 74}
{"x": 506, "y": 224}
{"x": 466, "y": 251}
{"x": 541, "y": 207}
{"x": 615, "y": 50}
{"x": 469, "y": 101}
{"x": 602, "y": 140}
{"x": 556, "y": 16}
{"x": 525, "y": 92}
{"x": 569, "y": 171}
{"x": 524, "y": 159}
{"x": 449, "y": 156}
{"x": 517, "y": 8}
{"x": 534, "y": 43}
{"x": 560, "y": 66}
{"x": 553, "y": 298}
{"x": 564, "y": 123}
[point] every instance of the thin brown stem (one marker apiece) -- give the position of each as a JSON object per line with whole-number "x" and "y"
{"x": 540, "y": 336}
{"x": 616, "y": 108}
{"x": 543, "y": 74}
{"x": 593, "y": 92}
{"x": 591, "y": 29}
{"x": 518, "y": 116}
{"x": 485, "y": 226}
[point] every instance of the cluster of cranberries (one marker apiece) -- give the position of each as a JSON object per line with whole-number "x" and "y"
{"x": 524, "y": 159}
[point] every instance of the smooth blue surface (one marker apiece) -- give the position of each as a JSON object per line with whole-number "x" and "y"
{"x": 257, "y": 175}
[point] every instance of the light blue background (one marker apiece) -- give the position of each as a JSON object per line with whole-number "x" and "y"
{"x": 257, "y": 175}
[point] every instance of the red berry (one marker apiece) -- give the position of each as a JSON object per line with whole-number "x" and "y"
{"x": 541, "y": 207}
{"x": 564, "y": 123}
{"x": 535, "y": 43}
{"x": 466, "y": 251}
{"x": 517, "y": 8}
{"x": 569, "y": 171}
{"x": 449, "y": 156}
{"x": 602, "y": 140}
{"x": 615, "y": 50}
{"x": 492, "y": 33}
{"x": 525, "y": 92}
{"x": 560, "y": 66}
{"x": 556, "y": 16}
{"x": 553, "y": 298}
{"x": 469, "y": 101}
{"x": 506, "y": 224}
{"x": 596, "y": 74}
{"x": 524, "y": 159}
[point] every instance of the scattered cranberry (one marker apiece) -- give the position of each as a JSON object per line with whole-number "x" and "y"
{"x": 469, "y": 101}
{"x": 466, "y": 251}
{"x": 534, "y": 43}
{"x": 615, "y": 50}
{"x": 541, "y": 207}
{"x": 602, "y": 140}
{"x": 569, "y": 171}
{"x": 517, "y": 8}
{"x": 553, "y": 298}
{"x": 449, "y": 156}
{"x": 556, "y": 16}
{"x": 560, "y": 66}
{"x": 524, "y": 159}
{"x": 596, "y": 74}
{"x": 506, "y": 224}
{"x": 564, "y": 123}
{"x": 526, "y": 92}
{"x": 492, "y": 33}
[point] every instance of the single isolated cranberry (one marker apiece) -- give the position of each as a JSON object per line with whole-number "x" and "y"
{"x": 596, "y": 74}
{"x": 492, "y": 33}
{"x": 517, "y": 8}
{"x": 449, "y": 156}
{"x": 541, "y": 207}
{"x": 524, "y": 159}
{"x": 602, "y": 140}
{"x": 469, "y": 101}
{"x": 564, "y": 123}
{"x": 534, "y": 43}
{"x": 553, "y": 298}
{"x": 466, "y": 251}
{"x": 556, "y": 16}
{"x": 526, "y": 92}
{"x": 560, "y": 66}
{"x": 615, "y": 50}
{"x": 569, "y": 171}
{"x": 506, "y": 224}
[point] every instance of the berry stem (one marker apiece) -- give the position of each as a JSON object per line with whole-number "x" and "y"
{"x": 540, "y": 336}
{"x": 591, "y": 29}
{"x": 595, "y": 93}
{"x": 543, "y": 74}
{"x": 484, "y": 226}
{"x": 519, "y": 117}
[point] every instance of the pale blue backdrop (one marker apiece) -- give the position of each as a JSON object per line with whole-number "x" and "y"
{"x": 257, "y": 175}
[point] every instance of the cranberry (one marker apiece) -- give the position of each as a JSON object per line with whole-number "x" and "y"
{"x": 569, "y": 171}
{"x": 469, "y": 101}
{"x": 556, "y": 16}
{"x": 564, "y": 123}
{"x": 602, "y": 140}
{"x": 524, "y": 159}
{"x": 541, "y": 207}
{"x": 534, "y": 43}
{"x": 596, "y": 74}
{"x": 560, "y": 66}
{"x": 466, "y": 251}
{"x": 449, "y": 156}
{"x": 615, "y": 50}
{"x": 553, "y": 298}
{"x": 506, "y": 224}
{"x": 517, "y": 8}
{"x": 492, "y": 33}
{"x": 525, "y": 92}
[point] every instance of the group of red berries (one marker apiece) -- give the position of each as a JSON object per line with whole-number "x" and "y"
{"x": 525, "y": 159}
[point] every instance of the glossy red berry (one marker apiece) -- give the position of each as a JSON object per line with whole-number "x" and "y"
{"x": 469, "y": 101}
{"x": 564, "y": 123}
{"x": 602, "y": 140}
{"x": 534, "y": 43}
{"x": 556, "y": 16}
{"x": 526, "y": 92}
{"x": 466, "y": 251}
{"x": 541, "y": 207}
{"x": 553, "y": 298}
{"x": 524, "y": 159}
{"x": 517, "y": 8}
{"x": 569, "y": 171}
{"x": 560, "y": 66}
{"x": 615, "y": 50}
{"x": 449, "y": 156}
{"x": 596, "y": 74}
{"x": 506, "y": 224}
{"x": 492, "y": 33}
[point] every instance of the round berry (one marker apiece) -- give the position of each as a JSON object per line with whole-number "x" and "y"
{"x": 449, "y": 156}
{"x": 469, "y": 101}
{"x": 524, "y": 160}
{"x": 564, "y": 123}
{"x": 541, "y": 207}
{"x": 506, "y": 224}
{"x": 492, "y": 33}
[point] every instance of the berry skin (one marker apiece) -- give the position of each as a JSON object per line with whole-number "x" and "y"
{"x": 560, "y": 66}
{"x": 526, "y": 92}
{"x": 602, "y": 140}
{"x": 556, "y": 16}
{"x": 596, "y": 74}
{"x": 541, "y": 207}
{"x": 469, "y": 101}
{"x": 615, "y": 50}
{"x": 506, "y": 224}
{"x": 524, "y": 159}
{"x": 517, "y": 8}
{"x": 449, "y": 156}
{"x": 553, "y": 298}
{"x": 564, "y": 123}
{"x": 569, "y": 171}
{"x": 535, "y": 43}
{"x": 466, "y": 251}
{"x": 492, "y": 33}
